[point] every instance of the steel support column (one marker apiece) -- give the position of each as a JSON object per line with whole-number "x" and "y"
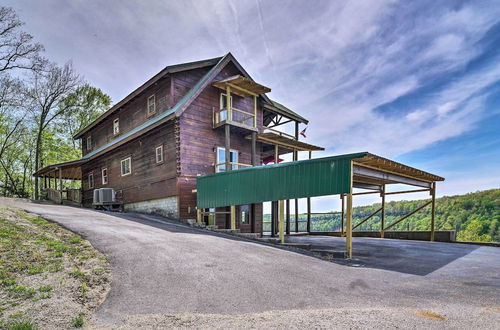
{"x": 433, "y": 210}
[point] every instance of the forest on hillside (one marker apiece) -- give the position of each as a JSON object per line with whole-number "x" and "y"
{"x": 42, "y": 105}
{"x": 475, "y": 216}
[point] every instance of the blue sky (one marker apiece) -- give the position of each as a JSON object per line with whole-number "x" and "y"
{"x": 415, "y": 81}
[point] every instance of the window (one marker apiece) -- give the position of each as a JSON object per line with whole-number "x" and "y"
{"x": 245, "y": 214}
{"x": 104, "y": 173}
{"x": 126, "y": 166}
{"x": 91, "y": 180}
{"x": 221, "y": 159}
{"x": 159, "y": 154}
{"x": 89, "y": 142}
{"x": 116, "y": 126}
{"x": 151, "y": 105}
{"x": 223, "y": 105}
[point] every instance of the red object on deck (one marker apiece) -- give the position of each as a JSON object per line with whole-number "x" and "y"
{"x": 270, "y": 159}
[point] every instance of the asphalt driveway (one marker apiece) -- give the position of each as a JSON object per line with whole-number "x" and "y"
{"x": 169, "y": 268}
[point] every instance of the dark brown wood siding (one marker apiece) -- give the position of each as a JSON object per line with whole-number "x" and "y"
{"x": 148, "y": 179}
{"x": 199, "y": 142}
{"x": 130, "y": 115}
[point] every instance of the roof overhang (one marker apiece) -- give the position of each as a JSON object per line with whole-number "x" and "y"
{"x": 69, "y": 170}
{"x": 242, "y": 86}
{"x": 280, "y": 109}
{"x": 377, "y": 171}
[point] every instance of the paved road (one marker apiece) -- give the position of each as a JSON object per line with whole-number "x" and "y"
{"x": 168, "y": 268}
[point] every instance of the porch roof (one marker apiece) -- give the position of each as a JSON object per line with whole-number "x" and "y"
{"x": 242, "y": 86}
{"x": 69, "y": 170}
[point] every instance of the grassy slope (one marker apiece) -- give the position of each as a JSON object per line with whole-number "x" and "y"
{"x": 49, "y": 277}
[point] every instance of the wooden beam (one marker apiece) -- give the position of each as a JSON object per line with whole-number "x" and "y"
{"x": 227, "y": 140}
{"x": 198, "y": 215}
{"x": 61, "y": 185}
{"x": 363, "y": 170}
{"x": 254, "y": 149}
{"x": 228, "y": 103}
{"x": 361, "y": 185}
{"x": 282, "y": 221}
{"x": 407, "y": 191}
{"x": 255, "y": 111}
{"x": 295, "y": 158}
{"x": 433, "y": 210}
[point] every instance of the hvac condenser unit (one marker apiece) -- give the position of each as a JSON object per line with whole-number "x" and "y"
{"x": 107, "y": 195}
{"x": 96, "y": 197}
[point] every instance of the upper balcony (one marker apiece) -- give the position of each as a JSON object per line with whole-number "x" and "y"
{"x": 245, "y": 118}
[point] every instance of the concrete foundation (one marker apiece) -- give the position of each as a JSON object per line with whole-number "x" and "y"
{"x": 167, "y": 207}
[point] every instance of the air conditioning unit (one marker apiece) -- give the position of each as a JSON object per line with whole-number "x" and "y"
{"x": 107, "y": 195}
{"x": 96, "y": 196}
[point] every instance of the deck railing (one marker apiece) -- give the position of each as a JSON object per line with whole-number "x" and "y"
{"x": 221, "y": 167}
{"x": 233, "y": 115}
{"x": 280, "y": 133}
{"x": 55, "y": 195}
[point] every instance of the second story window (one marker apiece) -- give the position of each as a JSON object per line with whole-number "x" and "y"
{"x": 126, "y": 166}
{"x": 89, "y": 142}
{"x": 91, "y": 180}
{"x": 116, "y": 126}
{"x": 159, "y": 154}
{"x": 221, "y": 159}
{"x": 151, "y": 105}
{"x": 104, "y": 173}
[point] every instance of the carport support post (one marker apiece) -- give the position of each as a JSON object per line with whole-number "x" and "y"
{"x": 309, "y": 206}
{"x": 433, "y": 209}
{"x": 295, "y": 158}
{"x": 282, "y": 221}
{"x": 342, "y": 216}
{"x": 382, "y": 212}
{"x": 198, "y": 215}
{"x": 348, "y": 240}
{"x": 233, "y": 217}
{"x": 288, "y": 217}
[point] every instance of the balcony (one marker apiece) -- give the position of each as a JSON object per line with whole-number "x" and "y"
{"x": 234, "y": 117}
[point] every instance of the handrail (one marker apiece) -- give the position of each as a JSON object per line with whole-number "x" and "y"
{"x": 280, "y": 133}
{"x": 230, "y": 117}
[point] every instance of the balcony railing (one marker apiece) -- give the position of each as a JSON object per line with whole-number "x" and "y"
{"x": 221, "y": 167}
{"x": 234, "y": 116}
{"x": 280, "y": 133}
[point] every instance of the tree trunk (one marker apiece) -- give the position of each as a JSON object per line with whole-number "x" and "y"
{"x": 37, "y": 160}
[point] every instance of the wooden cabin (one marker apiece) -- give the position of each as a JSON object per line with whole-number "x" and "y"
{"x": 188, "y": 120}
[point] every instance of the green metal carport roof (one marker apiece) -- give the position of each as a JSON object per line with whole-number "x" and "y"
{"x": 300, "y": 179}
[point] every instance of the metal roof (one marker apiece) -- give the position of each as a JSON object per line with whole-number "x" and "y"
{"x": 281, "y": 109}
{"x": 158, "y": 76}
{"x": 305, "y": 178}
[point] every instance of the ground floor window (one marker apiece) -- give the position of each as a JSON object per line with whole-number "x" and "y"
{"x": 126, "y": 166}
{"x": 245, "y": 214}
{"x": 91, "y": 180}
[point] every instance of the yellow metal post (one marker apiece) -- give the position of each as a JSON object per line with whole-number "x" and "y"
{"x": 282, "y": 221}
{"x": 198, "y": 215}
{"x": 348, "y": 240}
{"x": 433, "y": 210}
{"x": 233, "y": 217}
{"x": 348, "y": 225}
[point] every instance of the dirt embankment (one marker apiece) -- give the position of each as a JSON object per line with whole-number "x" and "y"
{"x": 50, "y": 278}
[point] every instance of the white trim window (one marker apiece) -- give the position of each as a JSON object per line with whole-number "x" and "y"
{"x": 104, "y": 174}
{"x": 116, "y": 126}
{"x": 159, "y": 154}
{"x": 221, "y": 159}
{"x": 89, "y": 142}
{"x": 90, "y": 180}
{"x": 151, "y": 105}
{"x": 126, "y": 166}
